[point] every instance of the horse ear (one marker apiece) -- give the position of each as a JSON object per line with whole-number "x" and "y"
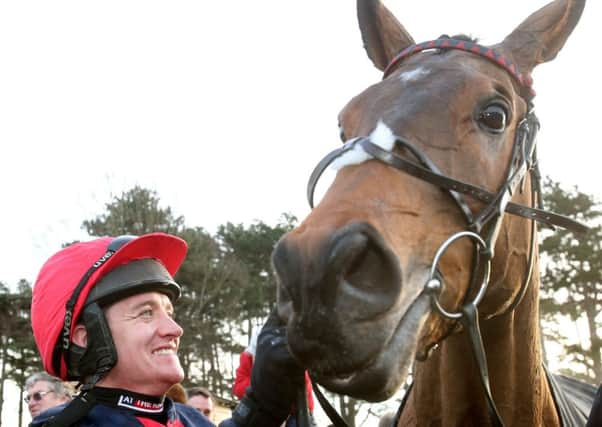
{"x": 383, "y": 36}
{"x": 541, "y": 36}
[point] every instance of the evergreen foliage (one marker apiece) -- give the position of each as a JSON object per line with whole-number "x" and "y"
{"x": 19, "y": 356}
{"x": 572, "y": 280}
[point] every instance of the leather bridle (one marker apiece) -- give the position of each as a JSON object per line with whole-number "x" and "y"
{"x": 484, "y": 226}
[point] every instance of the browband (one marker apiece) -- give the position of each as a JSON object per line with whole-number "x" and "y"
{"x": 523, "y": 79}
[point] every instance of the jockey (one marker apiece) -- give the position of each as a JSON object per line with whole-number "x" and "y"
{"x": 102, "y": 314}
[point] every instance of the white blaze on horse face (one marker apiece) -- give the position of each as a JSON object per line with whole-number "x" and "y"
{"x": 382, "y": 135}
{"x": 413, "y": 75}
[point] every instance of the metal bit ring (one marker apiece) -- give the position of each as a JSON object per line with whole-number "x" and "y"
{"x": 433, "y": 285}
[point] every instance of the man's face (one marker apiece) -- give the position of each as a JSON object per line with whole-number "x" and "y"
{"x": 47, "y": 398}
{"x": 146, "y": 337}
{"x": 202, "y": 404}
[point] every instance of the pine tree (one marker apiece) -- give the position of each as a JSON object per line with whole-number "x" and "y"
{"x": 572, "y": 278}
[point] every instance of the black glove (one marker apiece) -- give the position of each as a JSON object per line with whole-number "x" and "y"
{"x": 275, "y": 379}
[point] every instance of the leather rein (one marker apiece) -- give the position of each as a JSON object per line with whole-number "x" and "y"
{"x": 483, "y": 227}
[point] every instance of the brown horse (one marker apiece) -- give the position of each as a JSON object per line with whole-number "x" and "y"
{"x": 414, "y": 233}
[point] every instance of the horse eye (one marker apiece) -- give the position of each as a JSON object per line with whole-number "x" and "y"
{"x": 493, "y": 118}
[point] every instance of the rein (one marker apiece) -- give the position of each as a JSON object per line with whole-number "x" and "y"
{"x": 483, "y": 227}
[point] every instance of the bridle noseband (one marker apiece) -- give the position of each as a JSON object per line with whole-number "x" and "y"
{"x": 483, "y": 227}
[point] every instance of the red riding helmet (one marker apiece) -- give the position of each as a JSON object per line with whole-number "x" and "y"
{"x": 77, "y": 280}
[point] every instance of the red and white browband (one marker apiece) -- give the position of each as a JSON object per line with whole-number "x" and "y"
{"x": 523, "y": 79}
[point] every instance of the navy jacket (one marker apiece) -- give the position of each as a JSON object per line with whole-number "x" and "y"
{"x": 178, "y": 415}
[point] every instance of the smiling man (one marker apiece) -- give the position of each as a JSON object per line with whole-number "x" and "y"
{"x": 102, "y": 314}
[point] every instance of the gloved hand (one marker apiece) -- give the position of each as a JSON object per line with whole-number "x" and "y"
{"x": 275, "y": 379}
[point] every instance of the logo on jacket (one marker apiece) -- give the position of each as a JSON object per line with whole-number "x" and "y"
{"x": 139, "y": 404}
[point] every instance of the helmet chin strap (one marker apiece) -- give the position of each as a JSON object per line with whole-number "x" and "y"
{"x": 90, "y": 364}
{"x": 77, "y": 409}
{"x": 100, "y": 355}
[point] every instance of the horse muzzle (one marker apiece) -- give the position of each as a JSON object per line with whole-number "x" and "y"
{"x": 339, "y": 291}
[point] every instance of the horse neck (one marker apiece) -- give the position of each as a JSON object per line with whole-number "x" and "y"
{"x": 447, "y": 389}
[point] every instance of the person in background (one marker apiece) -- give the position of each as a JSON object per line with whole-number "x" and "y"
{"x": 44, "y": 391}
{"x": 177, "y": 393}
{"x": 201, "y": 399}
{"x": 242, "y": 376}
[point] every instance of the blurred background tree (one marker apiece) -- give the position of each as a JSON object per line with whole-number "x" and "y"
{"x": 572, "y": 281}
{"x": 18, "y": 356}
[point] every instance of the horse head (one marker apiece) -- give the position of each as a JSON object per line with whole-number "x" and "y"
{"x": 360, "y": 277}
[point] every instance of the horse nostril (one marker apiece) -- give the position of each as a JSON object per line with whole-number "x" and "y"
{"x": 284, "y": 303}
{"x": 366, "y": 272}
{"x": 347, "y": 251}
{"x": 352, "y": 271}
{"x": 287, "y": 265}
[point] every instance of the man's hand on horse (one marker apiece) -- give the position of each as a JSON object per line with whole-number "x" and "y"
{"x": 276, "y": 378}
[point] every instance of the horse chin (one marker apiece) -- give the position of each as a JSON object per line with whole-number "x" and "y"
{"x": 380, "y": 378}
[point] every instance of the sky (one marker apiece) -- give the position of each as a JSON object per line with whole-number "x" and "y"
{"x": 222, "y": 107}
